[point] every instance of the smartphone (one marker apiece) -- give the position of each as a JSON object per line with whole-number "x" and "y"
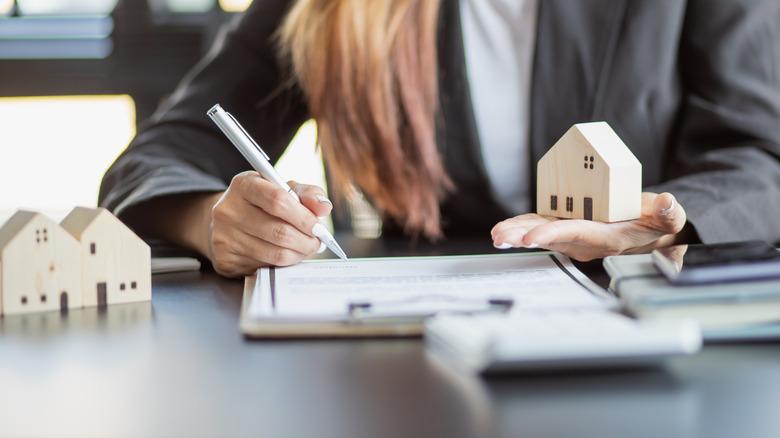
{"x": 719, "y": 262}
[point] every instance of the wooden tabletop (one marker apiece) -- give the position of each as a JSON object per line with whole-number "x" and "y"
{"x": 178, "y": 366}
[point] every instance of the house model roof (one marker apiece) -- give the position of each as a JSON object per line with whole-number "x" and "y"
{"x": 14, "y": 225}
{"x": 79, "y": 219}
{"x": 606, "y": 143}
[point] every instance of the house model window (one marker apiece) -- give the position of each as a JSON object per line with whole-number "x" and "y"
{"x": 605, "y": 186}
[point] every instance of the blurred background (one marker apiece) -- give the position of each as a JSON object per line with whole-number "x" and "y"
{"x": 75, "y": 78}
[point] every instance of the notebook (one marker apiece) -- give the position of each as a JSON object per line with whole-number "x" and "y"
{"x": 726, "y": 311}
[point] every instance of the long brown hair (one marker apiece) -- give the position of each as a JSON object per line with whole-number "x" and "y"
{"x": 368, "y": 70}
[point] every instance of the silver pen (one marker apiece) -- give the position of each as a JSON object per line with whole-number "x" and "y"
{"x": 260, "y": 162}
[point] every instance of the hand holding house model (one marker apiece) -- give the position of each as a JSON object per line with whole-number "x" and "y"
{"x": 90, "y": 259}
{"x": 589, "y": 174}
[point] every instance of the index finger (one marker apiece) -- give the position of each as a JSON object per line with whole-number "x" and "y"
{"x": 277, "y": 202}
{"x": 313, "y": 197}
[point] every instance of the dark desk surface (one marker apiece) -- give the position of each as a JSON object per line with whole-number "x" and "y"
{"x": 178, "y": 366}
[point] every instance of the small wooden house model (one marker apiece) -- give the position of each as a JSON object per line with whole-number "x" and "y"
{"x": 589, "y": 174}
{"x": 116, "y": 263}
{"x": 40, "y": 267}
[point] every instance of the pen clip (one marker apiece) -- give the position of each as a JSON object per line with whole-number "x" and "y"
{"x": 246, "y": 134}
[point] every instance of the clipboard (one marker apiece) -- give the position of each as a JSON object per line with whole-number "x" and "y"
{"x": 396, "y": 310}
{"x": 347, "y": 327}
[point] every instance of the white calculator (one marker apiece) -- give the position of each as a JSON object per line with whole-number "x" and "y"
{"x": 557, "y": 340}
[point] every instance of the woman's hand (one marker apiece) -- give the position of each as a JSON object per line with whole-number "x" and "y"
{"x": 661, "y": 220}
{"x": 255, "y": 223}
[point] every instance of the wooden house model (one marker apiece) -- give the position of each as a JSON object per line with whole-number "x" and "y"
{"x": 116, "y": 263}
{"x": 40, "y": 267}
{"x": 589, "y": 174}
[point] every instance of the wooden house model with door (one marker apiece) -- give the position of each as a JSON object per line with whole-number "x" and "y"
{"x": 589, "y": 174}
{"x": 116, "y": 263}
{"x": 40, "y": 267}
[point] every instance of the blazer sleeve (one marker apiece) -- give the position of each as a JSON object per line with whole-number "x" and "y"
{"x": 725, "y": 157}
{"x": 180, "y": 150}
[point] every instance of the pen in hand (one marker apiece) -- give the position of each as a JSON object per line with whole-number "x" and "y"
{"x": 260, "y": 162}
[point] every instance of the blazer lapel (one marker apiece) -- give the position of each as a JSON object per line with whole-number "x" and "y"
{"x": 457, "y": 132}
{"x": 574, "y": 48}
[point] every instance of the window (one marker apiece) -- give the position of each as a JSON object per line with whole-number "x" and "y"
{"x": 234, "y": 5}
{"x": 569, "y": 204}
{"x": 38, "y": 235}
{"x": 553, "y": 202}
{"x": 589, "y": 162}
{"x": 56, "y": 29}
{"x": 66, "y": 7}
{"x": 6, "y": 7}
{"x": 87, "y": 132}
{"x": 182, "y": 6}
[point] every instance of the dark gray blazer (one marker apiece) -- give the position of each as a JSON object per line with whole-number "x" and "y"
{"x": 692, "y": 87}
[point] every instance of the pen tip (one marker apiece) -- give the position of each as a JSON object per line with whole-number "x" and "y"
{"x": 333, "y": 246}
{"x": 342, "y": 255}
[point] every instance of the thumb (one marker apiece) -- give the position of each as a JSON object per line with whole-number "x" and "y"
{"x": 669, "y": 216}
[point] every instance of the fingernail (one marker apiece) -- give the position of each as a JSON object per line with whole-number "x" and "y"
{"x": 319, "y": 230}
{"x": 668, "y": 210}
{"x": 322, "y": 249}
{"x": 504, "y": 245}
{"x": 532, "y": 246}
{"x": 324, "y": 199}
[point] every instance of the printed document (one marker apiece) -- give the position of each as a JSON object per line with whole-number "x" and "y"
{"x": 398, "y": 286}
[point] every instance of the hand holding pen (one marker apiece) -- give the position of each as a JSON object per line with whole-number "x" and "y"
{"x": 260, "y": 220}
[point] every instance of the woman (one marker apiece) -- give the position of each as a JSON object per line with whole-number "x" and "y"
{"x": 438, "y": 111}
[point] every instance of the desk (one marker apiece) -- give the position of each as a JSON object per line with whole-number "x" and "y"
{"x": 179, "y": 367}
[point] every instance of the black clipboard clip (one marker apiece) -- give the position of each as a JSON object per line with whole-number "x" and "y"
{"x": 423, "y": 307}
